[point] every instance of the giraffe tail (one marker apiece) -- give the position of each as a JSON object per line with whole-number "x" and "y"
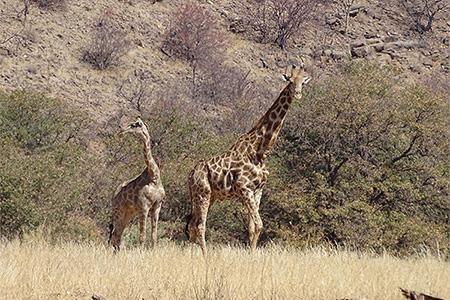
{"x": 111, "y": 230}
{"x": 186, "y": 228}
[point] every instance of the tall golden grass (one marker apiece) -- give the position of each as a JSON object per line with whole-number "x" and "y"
{"x": 34, "y": 269}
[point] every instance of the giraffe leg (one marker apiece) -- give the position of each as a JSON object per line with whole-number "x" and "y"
{"x": 120, "y": 222}
{"x": 155, "y": 217}
{"x": 116, "y": 239}
{"x": 197, "y": 225}
{"x": 251, "y": 228}
{"x": 202, "y": 226}
{"x": 192, "y": 228}
{"x": 142, "y": 227}
{"x": 255, "y": 223}
{"x": 200, "y": 191}
{"x": 257, "y": 218}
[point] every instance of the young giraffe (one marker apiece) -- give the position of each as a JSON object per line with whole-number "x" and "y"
{"x": 240, "y": 172}
{"x": 139, "y": 196}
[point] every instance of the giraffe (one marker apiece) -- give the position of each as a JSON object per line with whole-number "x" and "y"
{"x": 139, "y": 197}
{"x": 240, "y": 172}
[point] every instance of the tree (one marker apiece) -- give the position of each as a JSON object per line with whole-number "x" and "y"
{"x": 278, "y": 21}
{"x": 345, "y": 7}
{"x": 195, "y": 36}
{"x": 424, "y": 12}
{"x": 40, "y": 159}
{"x": 366, "y": 151}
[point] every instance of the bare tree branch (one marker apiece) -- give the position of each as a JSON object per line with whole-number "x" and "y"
{"x": 423, "y": 13}
{"x": 407, "y": 152}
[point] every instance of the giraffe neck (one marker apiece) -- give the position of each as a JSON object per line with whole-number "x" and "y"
{"x": 152, "y": 167}
{"x": 266, "y": 131}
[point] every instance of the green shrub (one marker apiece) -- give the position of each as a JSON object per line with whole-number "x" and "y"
{"x": 361, "y": 157}
{"x": 41, "y": 163}
{"x": 361, "y": 162}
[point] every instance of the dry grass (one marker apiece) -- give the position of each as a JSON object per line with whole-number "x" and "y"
{"x": 37, "y": 270}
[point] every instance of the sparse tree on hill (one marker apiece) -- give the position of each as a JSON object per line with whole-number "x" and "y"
{"x": 345, "y": 7}
{"x": 423, "y": 13}
{"x": 278, "y": 21}
{"x": 195, "y": 36}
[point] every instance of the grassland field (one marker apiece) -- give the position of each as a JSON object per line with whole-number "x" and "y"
{"x": 35, "y": 269}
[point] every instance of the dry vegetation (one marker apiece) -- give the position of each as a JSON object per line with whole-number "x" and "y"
{"x": 32, "y": 269}
{"x": 361, "y": 161}
{"x": 108, "y": 44}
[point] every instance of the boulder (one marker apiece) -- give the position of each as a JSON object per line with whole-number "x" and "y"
{"x": 369, "y": 35}
{"x": 358, "y": 43}
{"x": 373, "y": 41}
{"x": 378, "y": 47}
{"x": 332, "y": 21}
{"x": 264, "y": 63}
{"x": 327, "y": 52}
{"x": 363, "y": 51}
{"x": 237, "y": 26}
{"x": 389, "y": 38}
{"x": 337, "y": 55}
{"x": 402, "y": 45}
{"x": 428, "y": 63}
{"x": 354, "y": 10}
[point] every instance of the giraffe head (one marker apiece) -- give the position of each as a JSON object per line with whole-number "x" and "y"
{"x": 298, "y": 77}
{"x": 137, "y": 127}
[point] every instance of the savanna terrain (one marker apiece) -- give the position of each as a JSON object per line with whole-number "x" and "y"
{"x": 357, "y": 202}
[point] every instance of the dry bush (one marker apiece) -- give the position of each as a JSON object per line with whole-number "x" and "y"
{"x": 50, "y": 4}
{"x": 18, "y": 41}
{"x": 195, "y": 36}
{"x": 108, "y": 44}
{"x": 136, "y": 89}
{"x": 277, "y": 21}
{"x": 223, "y": 84}
{"x": 345, "y": 7}
{"x": 423, "y": 13}
{"x": 241, "y": 98}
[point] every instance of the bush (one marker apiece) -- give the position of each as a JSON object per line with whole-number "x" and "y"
{"x": 136, "y": 89}
{"x": 423, "y": 13}
{"x": 50, "y": 4}
{"x": 240, "y": 97}
{"x": 40, "y": 162}
{"x": 108, "y": 44}
{"x": 363, "y": 156}
{"x": 277, "y": 21}
{"x": 195, "y": 36}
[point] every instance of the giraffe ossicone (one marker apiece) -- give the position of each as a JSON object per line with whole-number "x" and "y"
{"x": 240, "y": 172}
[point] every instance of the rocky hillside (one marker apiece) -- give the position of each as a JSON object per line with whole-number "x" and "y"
{"x": 44, "y": 52}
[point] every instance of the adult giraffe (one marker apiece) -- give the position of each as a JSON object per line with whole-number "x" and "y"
{"x": 240, "y": 172}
